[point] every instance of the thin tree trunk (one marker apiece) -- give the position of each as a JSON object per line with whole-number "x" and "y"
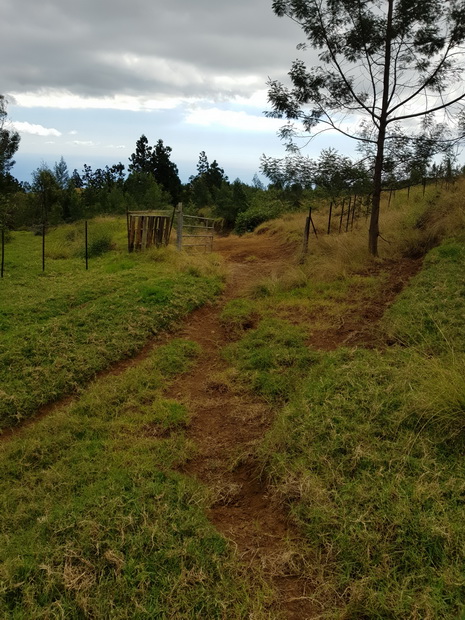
{"x": 373, "y": 233}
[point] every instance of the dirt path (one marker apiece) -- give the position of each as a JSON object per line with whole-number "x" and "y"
{"x": 226, "y": 425}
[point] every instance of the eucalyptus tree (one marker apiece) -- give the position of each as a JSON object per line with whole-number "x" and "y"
{"x": 382, "y": 64}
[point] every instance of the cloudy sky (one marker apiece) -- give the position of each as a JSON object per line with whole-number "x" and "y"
{"x": 85, "y": 78}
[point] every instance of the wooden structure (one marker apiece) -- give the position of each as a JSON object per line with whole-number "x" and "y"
{"x": 148, "y": 228}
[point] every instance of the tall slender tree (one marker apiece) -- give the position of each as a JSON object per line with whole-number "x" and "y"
{"x": 381, "y": 64}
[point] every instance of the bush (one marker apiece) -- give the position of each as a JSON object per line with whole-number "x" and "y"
{"x": 98, "y": 246}
{"x": 248, "y": 220}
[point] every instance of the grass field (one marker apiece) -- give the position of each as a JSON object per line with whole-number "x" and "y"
{"x": 59, "y": 327}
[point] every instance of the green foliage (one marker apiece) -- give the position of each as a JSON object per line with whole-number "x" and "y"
{"x": 9, "y": 144}
{"x": 264, "y": 206}
{"x": 155, "y": 162}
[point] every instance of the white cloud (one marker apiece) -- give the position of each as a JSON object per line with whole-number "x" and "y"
{"x": 65, "y": 100}
{"x": 232, "y": 119}
{"x": 83, "y": 143}
{"x": 35, "y": 130}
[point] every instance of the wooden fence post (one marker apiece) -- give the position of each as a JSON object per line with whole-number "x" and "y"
{"x": 329, "y": 218}
{"x": 342, "y": 214}
{"x": 179, "y": 228}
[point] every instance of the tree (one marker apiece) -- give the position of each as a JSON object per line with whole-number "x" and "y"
{"x": 60, "y": 170}
{"x": 381, "y": 65}
{"x": 165, "y": 171}
{"x": 46, "y": 194}
{"x": 9, "y": 141}
{"x": 207, "y": 187}
{"x": 141, "y": 160}
{"x": 156, "y": 161}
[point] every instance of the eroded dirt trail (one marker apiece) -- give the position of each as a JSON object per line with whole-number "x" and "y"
{"x": 226, "y": 425}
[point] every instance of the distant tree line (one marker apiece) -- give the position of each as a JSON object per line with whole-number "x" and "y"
{"x": 151, "y": 181}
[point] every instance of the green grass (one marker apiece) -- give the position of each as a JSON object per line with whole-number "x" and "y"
{"x": 95, "y": 522}
{"x": 377, "y": 489}
{"x": 430, "y": 314}
{"x": 368, "y": 448}
{"x": 60, "y": 327}
{"x": 271, "y": 358}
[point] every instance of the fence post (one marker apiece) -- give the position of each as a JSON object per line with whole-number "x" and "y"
{"x": 329, "y": 218}
{"x": 87, "y": 245}
{"x": 179, "y": 228}
{"x": 342, "y": 214}
{"x": 3, "y": 250}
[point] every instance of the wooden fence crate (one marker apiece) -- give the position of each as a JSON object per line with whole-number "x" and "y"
{"x": 148, "y": 228}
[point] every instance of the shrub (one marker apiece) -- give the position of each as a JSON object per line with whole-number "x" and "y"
{"x": 248, "y": 220}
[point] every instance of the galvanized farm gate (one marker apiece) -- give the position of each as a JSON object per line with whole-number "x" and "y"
{"x": 193, "y": 231}
{"x": 148, "y": 228}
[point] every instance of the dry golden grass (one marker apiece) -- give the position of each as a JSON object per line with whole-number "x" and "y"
{"x": 410, "y": 225}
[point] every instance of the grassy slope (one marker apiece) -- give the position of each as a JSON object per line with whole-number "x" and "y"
{"x": 368, "y": 449}
{"x": 60, "y": 327}
{"x": 94, "y": 521}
